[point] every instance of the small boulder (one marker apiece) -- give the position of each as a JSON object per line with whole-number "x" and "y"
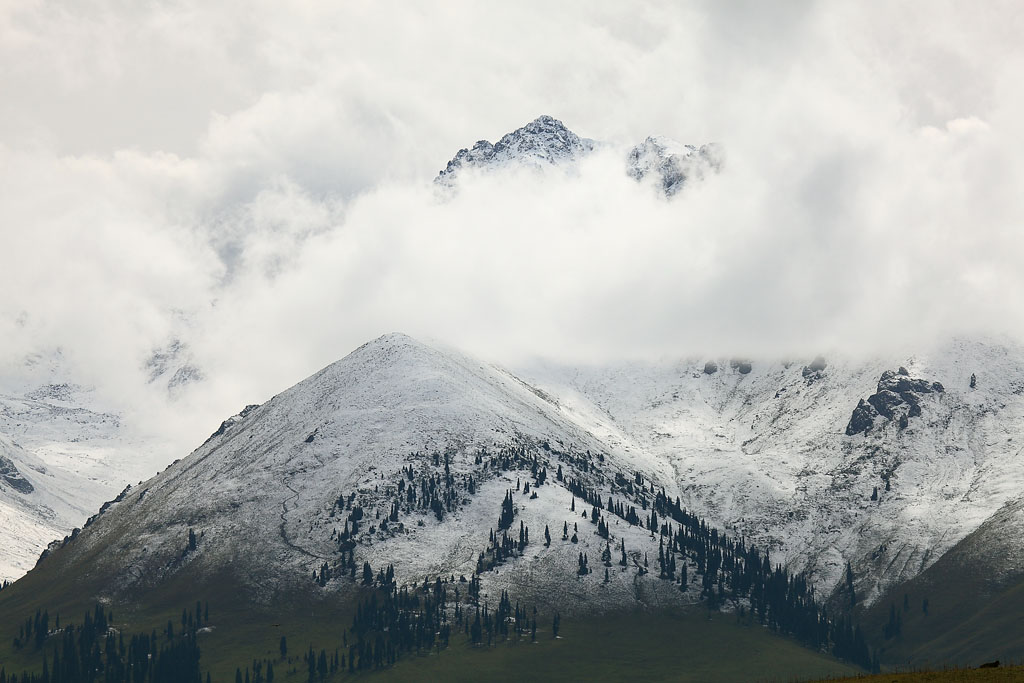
{"x": 710, "y": 368}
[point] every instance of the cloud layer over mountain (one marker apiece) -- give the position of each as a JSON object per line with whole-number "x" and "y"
{"x": 254, "y": 179}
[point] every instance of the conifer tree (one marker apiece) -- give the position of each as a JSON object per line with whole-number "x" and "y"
{"x": 367, "y": 574}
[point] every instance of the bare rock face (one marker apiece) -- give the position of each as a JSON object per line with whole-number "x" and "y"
{"x": 710, "y": 368}
{"x": 897, "y": 397}
{"x": 11, "y": 476}
{"x": 862, "y": 419}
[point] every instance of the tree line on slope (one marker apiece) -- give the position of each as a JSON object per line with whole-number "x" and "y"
{"x": 96, "y": 651}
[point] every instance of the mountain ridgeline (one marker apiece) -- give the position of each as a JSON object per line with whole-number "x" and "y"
{"x": 422, "y": 496}
{"x": 545, "y": 142}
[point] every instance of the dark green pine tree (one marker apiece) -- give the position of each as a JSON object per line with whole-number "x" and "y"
{"x": 507, "y": 512}
{"x": 284, "y": 647}
{"x": 367, "y": 574}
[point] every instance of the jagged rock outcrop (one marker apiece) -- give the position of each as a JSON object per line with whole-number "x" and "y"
{"x": 545, "y": 141}
{"x": 897, "y": 397}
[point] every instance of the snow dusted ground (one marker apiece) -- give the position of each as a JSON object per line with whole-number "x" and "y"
{"x": 762, "y": 454}
{"x": 73, "y": 453}
{"x": 262, "y": 493}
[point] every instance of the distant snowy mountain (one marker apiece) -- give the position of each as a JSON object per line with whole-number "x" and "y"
{"x": 61, "y": 455}
{"x": 546, "y": 142}
{"x": 673, "y": 164}
{"x": 172, "y": 365}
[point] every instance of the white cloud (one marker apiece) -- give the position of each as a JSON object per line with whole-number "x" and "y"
{"x": 262, "y": 172}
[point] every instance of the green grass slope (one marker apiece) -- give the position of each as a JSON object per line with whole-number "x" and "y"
{"x": 975, "y": 608}
{"x": 1002, "y": 674}
{"x": 698, "y": 646}
{"x": 695, "y": 646}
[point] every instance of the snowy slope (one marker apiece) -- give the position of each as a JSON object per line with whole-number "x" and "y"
{"x": 35, "y": 503}
{"x": 262, "y": 494}
{"x": 72, "y": 452}
{"x": 761, "y": 449}
{"x": 765, "y": 454}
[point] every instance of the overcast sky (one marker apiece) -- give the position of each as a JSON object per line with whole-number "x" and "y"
{"x": 254, "y": 178}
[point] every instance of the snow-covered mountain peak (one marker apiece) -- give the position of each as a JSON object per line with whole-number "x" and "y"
{"x": 293, "y": 478}
{"x": 545, "y": 141}
{"x": 671, "y": 163}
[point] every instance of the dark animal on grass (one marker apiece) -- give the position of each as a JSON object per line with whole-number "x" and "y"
{"x": 990, "y": 665}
